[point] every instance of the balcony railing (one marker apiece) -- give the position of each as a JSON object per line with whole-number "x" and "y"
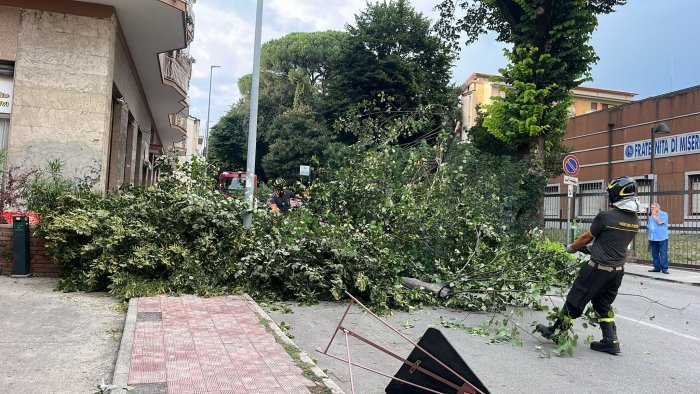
{"x": 180, "y": 147}
{"x": 174, "y": 71}
{"x": 180, "y": 120}
{"x": 189, "y": 22}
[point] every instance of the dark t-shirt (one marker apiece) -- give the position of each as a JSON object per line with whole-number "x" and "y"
{"x": 613, "y": 231}
{"x": 282, "y": 201}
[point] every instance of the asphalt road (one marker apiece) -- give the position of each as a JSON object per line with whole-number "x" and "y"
{"x": 660, "y": 346}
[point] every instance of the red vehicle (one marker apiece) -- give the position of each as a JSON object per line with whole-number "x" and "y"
{"x": 234, "y": 183}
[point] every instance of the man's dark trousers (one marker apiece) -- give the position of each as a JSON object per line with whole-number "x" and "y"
{"x": 596, "y": 286}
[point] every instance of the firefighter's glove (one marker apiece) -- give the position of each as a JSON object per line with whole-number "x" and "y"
{"x": 569, "y": 249}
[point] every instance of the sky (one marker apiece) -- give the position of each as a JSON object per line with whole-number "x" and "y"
{"x": 649, "y": 47}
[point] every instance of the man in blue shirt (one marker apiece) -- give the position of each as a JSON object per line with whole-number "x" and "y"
{"x": 658, "y": 238}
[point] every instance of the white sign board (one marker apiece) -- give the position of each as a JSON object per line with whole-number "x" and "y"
{"x": 304, "y": 170}
{"x": 681, "y": 144}
{"x": 570, "y": 191}
{"x": 570, "y": 180}
{"x": 5, "y": 94}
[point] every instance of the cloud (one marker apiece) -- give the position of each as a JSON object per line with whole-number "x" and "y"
{"x": 312, "y": 15}
{"x": 225, "y": 30}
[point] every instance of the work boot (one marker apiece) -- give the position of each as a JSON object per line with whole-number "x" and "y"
{"x": 546, "y": 331}
{"x": 549, "y": 331}
{"x": 609, "y": 344}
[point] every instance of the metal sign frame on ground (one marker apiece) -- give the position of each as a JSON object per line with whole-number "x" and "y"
{"x": 465, "y": 388}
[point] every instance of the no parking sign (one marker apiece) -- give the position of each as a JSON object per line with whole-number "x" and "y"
{"x": 571, "y": 165}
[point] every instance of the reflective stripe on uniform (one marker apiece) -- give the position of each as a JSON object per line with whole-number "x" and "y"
{"x": 606, "y": 320}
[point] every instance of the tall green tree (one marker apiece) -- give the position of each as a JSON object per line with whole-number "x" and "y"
{"x": 305, "y": 59}
{"x": 297, "y": 137}
{"x": 390, "y": 52}
{"x": 550, "y": 56}
{"x": 294, "y": 70}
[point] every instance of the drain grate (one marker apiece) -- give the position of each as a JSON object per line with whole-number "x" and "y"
{"x": 149, "y": 316}
{"x": 149, "y": 388}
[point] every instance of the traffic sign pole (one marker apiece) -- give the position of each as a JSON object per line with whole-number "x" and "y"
{"x": 571, "y": 166}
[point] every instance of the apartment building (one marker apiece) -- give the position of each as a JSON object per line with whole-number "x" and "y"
{"x": 189, "y": 147}
{"x": 478, "y": 90}
{"x": 99, "y": 84}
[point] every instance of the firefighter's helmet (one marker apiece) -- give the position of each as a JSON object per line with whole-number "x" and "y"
{"x": 622, "y": 188}
{"x": 279, "y": 183}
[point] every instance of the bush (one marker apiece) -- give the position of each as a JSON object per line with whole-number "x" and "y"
{"x": 439, "y": 213}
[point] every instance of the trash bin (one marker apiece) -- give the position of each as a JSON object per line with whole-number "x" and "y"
{"x": 20, "y": 245}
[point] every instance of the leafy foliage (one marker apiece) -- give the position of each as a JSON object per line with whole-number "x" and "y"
{"x": 306, "y": 59}
{"x": 294, "y": 139}
{"x": 436, "y": 214}
{"x": 550, "y": 56}
{"x": 389, "y": 59}
{"x": 45, "y": 187}
{"x": 390, "y": 51}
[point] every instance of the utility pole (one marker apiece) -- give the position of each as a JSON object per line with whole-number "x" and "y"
{"x": 253, "y": 125}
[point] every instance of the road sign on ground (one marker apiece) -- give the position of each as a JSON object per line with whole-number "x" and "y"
{"x": 570, "y": 180}
{"x": 570, "y": 165}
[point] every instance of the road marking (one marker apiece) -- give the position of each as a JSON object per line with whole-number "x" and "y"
{"x": 680, "y": 334}
{"x": 638, "y": 321}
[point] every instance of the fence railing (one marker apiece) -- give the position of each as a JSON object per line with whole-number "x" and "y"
{"x": 679, "y": 202}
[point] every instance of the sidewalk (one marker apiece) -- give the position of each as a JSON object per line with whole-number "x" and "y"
{"x": 190, "y": 344}
{"x": 676, "y": 275}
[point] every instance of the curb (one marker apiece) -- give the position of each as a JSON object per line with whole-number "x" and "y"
{"x": 331, "y": 385}
{"x": 121, "y": 368}
{"x": 662, "y": 279}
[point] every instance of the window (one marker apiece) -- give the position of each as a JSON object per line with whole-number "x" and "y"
{"x": 4, "y": 132}
{"x": 593, "y": 198}
{"x": 605, "y": 106}
{"x": 552, "y": 201}
{"x": 594, "y": 106}
{"x": 694, "y": 192}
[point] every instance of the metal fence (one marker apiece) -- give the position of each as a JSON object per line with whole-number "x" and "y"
{"x": 682, "y": 203}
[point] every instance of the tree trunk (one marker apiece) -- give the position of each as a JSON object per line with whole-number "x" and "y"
{"x": 438, "y": 290}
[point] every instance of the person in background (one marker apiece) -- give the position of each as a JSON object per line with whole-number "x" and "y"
{"x": 280, "y": 200}
{"x": 658, "y": 238}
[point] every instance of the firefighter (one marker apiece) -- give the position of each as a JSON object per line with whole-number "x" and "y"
{"x": 599, "y": 280}
{"x": 280, "y": 201}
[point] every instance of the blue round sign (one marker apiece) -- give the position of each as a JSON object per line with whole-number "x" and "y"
{"x": 571, "y": 165}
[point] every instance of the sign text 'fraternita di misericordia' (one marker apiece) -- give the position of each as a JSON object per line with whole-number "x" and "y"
{"x": 682, "y": 144}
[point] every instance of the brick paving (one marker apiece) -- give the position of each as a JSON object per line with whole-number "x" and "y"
{"x": 209, "y": 345}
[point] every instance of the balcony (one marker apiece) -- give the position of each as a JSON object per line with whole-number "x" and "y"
{"x": 179, "y": 120}
{"x": 180, "y": 148}
{"x": 176, "y": 72}
{"x": 189, "y": 22}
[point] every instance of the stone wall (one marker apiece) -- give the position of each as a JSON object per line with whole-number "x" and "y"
{"x": 39, "y": 263}
{"x": 9, "y": 31}
{"x": 63, "y": 93}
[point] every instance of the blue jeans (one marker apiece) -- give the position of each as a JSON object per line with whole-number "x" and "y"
{"x": 659, "y": 254}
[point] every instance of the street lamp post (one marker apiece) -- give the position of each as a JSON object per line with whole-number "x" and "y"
{"x": 660, "y": 128}
{"x": 253, "y": 123}
{"x": 205, "y": 149}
